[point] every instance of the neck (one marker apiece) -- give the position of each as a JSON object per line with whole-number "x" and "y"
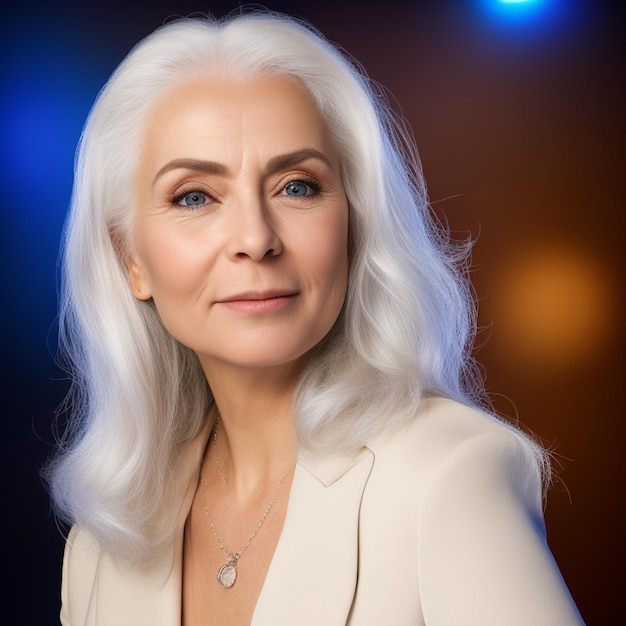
{"x": 256, "y": 439}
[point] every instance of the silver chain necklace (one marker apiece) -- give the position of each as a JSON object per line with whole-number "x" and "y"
{"x": 217, "y": 459}
{"x": 227, "y": 573}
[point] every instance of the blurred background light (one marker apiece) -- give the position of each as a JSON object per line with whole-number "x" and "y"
{"x": 556, "y": 307}
{"x": 47, "y": 91}
{"x": 529, "y": 12}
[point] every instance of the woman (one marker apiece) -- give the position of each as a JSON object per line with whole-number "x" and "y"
{"x": 275, "y": 416}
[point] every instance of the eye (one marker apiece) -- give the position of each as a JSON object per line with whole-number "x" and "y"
{"x": 192, "y": 199}
{"x": 299, "y": 188}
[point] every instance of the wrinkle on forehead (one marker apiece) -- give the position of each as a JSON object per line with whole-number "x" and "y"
{"x": 243, "y": 121}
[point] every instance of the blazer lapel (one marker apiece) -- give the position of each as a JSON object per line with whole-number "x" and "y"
{"x": 151, "y": 596}
{"x": 312, "y": 578}
{"x": 146, "y": 596}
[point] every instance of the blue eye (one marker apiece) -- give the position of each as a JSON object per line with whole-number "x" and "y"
{"x": 193, "y": 198}
{"x": 299, "y": 188}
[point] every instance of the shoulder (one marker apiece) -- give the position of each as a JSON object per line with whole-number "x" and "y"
{"x": 441, "y": 424}
{"x": 81, "y": 552}
{"x": 447, "y": 437}
{"x": 80, "y": 563}
{"x": 99, "y": 589}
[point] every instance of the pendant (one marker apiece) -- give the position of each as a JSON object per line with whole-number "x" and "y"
{"x": 227, "y": 574}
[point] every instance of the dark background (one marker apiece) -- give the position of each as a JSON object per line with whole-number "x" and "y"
{"x": 517, "y": 111}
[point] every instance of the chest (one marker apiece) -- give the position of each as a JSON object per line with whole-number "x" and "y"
{"x": 217, "y": 588}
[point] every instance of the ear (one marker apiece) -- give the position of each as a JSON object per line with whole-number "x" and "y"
{"x": 138, "y": 280}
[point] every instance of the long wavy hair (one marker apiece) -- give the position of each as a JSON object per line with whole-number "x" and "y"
{"x": 405, "y": 331}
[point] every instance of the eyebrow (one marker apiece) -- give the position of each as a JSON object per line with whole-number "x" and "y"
{"x": 274, "y": 165}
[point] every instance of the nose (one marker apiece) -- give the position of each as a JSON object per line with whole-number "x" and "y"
{"x": 253, "y": 232}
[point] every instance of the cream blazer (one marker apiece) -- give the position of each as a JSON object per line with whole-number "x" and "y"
{"x": 437, "y": 523}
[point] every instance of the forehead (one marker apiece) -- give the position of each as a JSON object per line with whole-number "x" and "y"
{"x": 275, "y": 114}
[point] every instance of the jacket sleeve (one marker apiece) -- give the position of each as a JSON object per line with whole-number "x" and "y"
{"x": 483, "y": 555}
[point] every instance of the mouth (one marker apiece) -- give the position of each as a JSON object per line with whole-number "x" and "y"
{"x": 259, "y": 301}
{"x": 259, "y": 295}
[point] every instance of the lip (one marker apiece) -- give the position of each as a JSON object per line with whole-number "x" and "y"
{"x": 259, "y": 301}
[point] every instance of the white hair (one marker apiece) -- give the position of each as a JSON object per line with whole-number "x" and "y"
{"x": 405, "y": 331}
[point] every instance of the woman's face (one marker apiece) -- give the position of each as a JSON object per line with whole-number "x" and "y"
{"x": 241, "y": 224}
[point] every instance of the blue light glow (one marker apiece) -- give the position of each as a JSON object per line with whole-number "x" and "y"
{"x": 47, "y": 84}
{"x": 521, "y": 14}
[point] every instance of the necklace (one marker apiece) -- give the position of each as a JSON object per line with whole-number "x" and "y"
{"x": 217, "y": 460}
{"x": 227, "y": 573}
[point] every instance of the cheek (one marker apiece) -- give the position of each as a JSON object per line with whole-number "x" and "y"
{"x": 171, "y": 267}
{"x": 328, "y": 253}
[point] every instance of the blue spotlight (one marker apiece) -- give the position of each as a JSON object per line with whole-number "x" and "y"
{"x": 524, "y": 2}
{"x": 520, "y": 12}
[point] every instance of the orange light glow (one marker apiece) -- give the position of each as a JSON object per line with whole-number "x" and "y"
{"x": 553, "y": 307}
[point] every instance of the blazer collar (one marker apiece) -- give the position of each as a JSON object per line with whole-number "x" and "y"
{"x": 320, "y": 535}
